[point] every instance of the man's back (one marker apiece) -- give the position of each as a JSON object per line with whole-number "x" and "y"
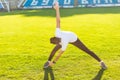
{"x": 66, "y": 35}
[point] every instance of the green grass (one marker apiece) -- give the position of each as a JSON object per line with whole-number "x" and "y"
{"x": 24, "y": 43}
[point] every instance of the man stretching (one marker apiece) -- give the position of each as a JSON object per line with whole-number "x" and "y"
{"x": 63, "y": 38}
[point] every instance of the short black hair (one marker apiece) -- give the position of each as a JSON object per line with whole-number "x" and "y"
{"x": 55, "y": 40}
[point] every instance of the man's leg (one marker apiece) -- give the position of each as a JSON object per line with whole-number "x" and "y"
{"x": 81, "y": 46}
{"x": 56, "y": 48}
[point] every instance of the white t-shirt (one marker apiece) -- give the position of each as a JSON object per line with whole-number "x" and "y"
{"x": 66, "y": 37}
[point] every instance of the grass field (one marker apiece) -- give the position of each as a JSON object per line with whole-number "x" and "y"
{"x": 25, "y": 47}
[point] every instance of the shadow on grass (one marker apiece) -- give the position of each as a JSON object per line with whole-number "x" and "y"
{"x": 99, "y": 74}
{"x": 64, "y": 12}
{"x": 48, "y": 71}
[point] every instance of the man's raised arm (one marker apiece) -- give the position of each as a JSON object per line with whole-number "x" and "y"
{"x": 56, "y": 7}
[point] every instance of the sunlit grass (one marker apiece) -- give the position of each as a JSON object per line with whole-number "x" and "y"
{"x": 24, "y": 43}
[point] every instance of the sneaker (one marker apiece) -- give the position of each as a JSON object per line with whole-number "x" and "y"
{"x": 46, "y": 65}
{"x": 103, "y": 65}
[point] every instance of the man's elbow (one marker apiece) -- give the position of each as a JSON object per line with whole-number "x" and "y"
{"x": 58, "y": 21}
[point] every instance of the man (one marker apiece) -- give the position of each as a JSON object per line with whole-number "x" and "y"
{"x": 61, "y": 40}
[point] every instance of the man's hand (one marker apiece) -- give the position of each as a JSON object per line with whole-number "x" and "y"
{"x": 51, "y": 63}
{"x": 48, "y": 63}
{"x": 56, "y": 5}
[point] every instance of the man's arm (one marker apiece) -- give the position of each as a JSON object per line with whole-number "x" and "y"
{"x": 58, "y": 56}
{"x": 56, "y": 7}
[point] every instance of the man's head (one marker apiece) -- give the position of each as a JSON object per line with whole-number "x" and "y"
{"x": 55, "y": 40}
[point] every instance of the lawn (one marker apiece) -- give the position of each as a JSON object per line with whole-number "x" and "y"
{"x": 25, "y": 46}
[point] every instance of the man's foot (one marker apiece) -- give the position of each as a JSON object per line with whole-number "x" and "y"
{"x": 102, "y": 64}
{"x": 46, "y": 65}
